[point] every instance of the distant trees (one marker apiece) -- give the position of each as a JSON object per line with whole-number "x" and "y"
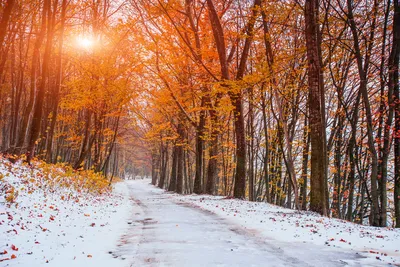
{"x": 62, "y": 100}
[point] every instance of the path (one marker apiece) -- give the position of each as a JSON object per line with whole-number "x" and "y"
{"x": 163, "y": 232}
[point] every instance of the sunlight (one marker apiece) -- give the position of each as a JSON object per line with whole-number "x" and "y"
{"x": 85, "y": 42}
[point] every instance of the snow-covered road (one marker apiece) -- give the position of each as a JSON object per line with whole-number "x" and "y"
{"x": 167, "y": 232}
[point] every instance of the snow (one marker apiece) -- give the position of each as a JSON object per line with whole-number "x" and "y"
{"x": 286, "y": 225}
{"x": 172, "y": 230}
{"x": 57, "y": 225}
{"x": 138, "y": 224}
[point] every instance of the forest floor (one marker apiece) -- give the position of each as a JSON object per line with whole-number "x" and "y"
{"x": 45, "y": 224}
{"x": 140, "y": 225}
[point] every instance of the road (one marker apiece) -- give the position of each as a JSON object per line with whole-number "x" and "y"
{"x": 164, "y": 232}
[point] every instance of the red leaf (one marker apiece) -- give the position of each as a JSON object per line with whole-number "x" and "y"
{"x": 13, "y": 256}
{"x": 13, "y": 247}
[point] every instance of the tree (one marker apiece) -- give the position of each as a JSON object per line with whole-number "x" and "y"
{"x": 316, "y": 106}
{"x": 394, "y": 83}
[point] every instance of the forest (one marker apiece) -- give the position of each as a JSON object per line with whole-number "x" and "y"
{"x": 291, "y": 102}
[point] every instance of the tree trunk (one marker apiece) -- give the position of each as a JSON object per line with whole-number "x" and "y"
{"x": 180, "y": 160}
{"x": 337, "y": 175}
{"x": 316, "y": 118}
{"x": 239, "y": 189}
{"x": 394, "y": 81}
{"x": 163, "y": 164}
{"x": 83, "y": 150}
{"x": 57, "y": 87}
{"x": 212, "y": 168}
{"x": 266, "y": 155}
{"x": 250, "y": 123}
{"x": 33, "y": 82}
{"x": 172, "y": 181}
{"x": 154, "y": 170}
{"x": 5, "y": 18}
{"x": 304, "y": 168}
{"x": 38, "y": 107}
{"x": 197, "y": 188}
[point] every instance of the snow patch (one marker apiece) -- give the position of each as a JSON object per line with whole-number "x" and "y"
{"x": 57, "y": 225}
{"x": 286, "y": 225}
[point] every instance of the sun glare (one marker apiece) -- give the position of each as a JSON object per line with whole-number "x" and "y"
{"x": 85, "y": 42}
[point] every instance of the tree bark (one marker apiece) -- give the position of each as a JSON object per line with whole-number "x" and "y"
{"x": 57, "y": 87}
{"x": 172, "y": 181}
{"x": 163, "y": 164}
{"x": 180, "y": 160}
{"x": 212, "y": 168}
{"x": 316, "y": 119}
{"x": 304, "y": 169}
{"x": 394, "y": 81}
{"x": 38, "y": 106}
{"x": 197, "y": 188}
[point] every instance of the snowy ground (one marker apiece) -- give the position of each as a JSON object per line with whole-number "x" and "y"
{"x": 378, "y": 245}
{"x": 58, "y": 226}
{"x": 172, "y": 230}
{"x": 140, "y": 225}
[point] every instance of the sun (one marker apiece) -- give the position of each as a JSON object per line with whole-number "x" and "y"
{"x": 85, "y": 42}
